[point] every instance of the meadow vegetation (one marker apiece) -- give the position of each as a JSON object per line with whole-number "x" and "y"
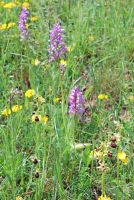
{"x": 67, "y": 100}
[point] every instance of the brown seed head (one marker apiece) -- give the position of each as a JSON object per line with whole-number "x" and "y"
{"x": 113, "y": 145}
{"x": 113, "y": 139}
{"x": 109, "y": 154}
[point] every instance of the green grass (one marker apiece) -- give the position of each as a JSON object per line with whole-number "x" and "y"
{"x": 102, "y": 66}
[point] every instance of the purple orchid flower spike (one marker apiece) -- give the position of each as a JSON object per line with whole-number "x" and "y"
{"x": 76, "y": 102}
{"x": 23, "y": 17}
{"x": 57, "y": 46}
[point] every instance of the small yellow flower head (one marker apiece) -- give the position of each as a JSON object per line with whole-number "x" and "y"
{"x": 35, "y": 62}
{"x": 96, "y": 154}
{"x": 27, "y": 25}
{"x": 10, "y": 25}
{"x": 40, "y": 99}
{"x": 29, "y": 93}
{"x": 69, "y": 49}
{"x": 56, "y": 99}
{"x": 34, "y": 18}
{"x": 63, "y": 62}
{"x": 103, "y": 96}
{"x": 6, "y": 112}
{"x": 104, "y": 197}
{"x": 16, "y": 108}
{"x": 19, "y": 198}
{"x": 44, "y": 119}
{"x": 36, "y": 118}
{"x": 9, "y": 5}
{"x": 121, "y": 155}
{"x": 3, "y": 26}
{"x": 91, "y": 38}
{"x": 7, "y": 26}
{"x": 26, "y": 5}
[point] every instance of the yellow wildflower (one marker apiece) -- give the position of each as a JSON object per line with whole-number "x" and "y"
{"x": 91, "y": 38}
{"x": 63, "y": 62}
{"x": 16, "y": 108}
{"x": 40, "y": 99}
{"x": 29, "y": 93}
{"x": 35, "y": 62}
{"x": 7, "y": 26}
{"x": 19, "y": 198}
{"x": 104, "y": 197}
{"x": 10, "y": 25}
{"x": 56, "y": 99}
{"x": 9, "y": 5}
{"x": 96, "y": 154}
{"x": 103, "y": 96}
{"x": 36, "y": 118}
{"x": 6, "y": 112}
{"x": 34, "y": 18}
{"x": 26, "y": 5}
{"x": 27, "y": 25}
{"x": 3, "y": 26}
{"x": 121, "y": 155}
{"x": 70, "y": 48}
{"x": 44, "y": 119}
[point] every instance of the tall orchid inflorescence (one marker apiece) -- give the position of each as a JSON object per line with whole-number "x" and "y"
{"x": 76, "y": 102}
{"x": 23, "y": 17}
{"x": 57, "y": 46}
